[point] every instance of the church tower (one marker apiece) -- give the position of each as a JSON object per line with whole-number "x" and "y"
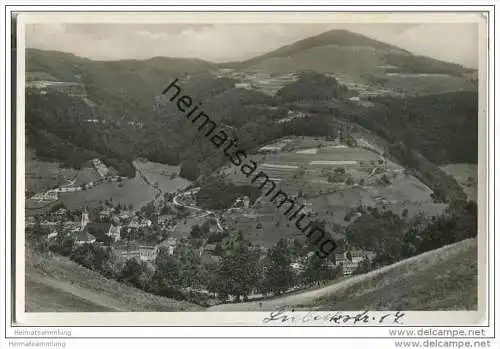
{"x": 85, "y": 219}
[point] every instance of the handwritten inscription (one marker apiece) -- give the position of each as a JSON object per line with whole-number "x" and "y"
{"x": 283, "y": 315}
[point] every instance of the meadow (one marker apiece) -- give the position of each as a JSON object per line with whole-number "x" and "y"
{"x": 166, "y": 176}
{"x": 41, "y": 175}
{"x": 56, "y": 284}
{"x": 134, "y": 191}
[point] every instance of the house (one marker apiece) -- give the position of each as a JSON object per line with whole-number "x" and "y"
{"x": 105, "y": 214}
{"x": 210, "y": 248}
{"x": 60, "y": 212}
{"x": 103, "y": 232}
{"x": 114, "y": 232}
{"x": 47, "y": 196}
{"x": 52, "y": 234}
{"x": 297, "y": 267}
{"x": 148, "y": 253}
{"x": 84, "y": 237}
{"x": 162, "y": 219}
{"x": 130, "y": 254}
{"x": 30, "y": 221}
{"x": 350, "y": 260}
{"x": 72, "y": 226}
{"x": 145, "y": 223}
{"x": 171, "y": 244}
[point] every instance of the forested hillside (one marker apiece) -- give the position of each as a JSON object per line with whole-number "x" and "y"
{"x": 423, "y": 131}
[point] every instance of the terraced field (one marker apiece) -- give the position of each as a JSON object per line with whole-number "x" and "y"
{"x": 301, "y": 170}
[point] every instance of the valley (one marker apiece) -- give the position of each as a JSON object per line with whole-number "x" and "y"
{"x": 378, "y": 144}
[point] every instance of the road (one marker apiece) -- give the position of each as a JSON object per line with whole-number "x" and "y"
{"x": 362, "y": 283}
{"x": 176, "y": 202}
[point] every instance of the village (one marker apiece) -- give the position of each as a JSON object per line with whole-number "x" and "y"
{"x": 141, "y": 233}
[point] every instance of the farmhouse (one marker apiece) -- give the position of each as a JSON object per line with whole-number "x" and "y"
{"x": 351, "y": 260}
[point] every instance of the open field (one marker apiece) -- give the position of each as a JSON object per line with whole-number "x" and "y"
{"x": 43, "y": 175}
{"x": 426, "y": 83}
{"x": 443, "y": 279}
{"x": 264, "y": 228}
{"x": 56, "y": 284}
{"x": 466, "y": 176}
{"x": 166, "y": 176}
{"x": 183, "y": 230}
{"x": 135, "y": 192}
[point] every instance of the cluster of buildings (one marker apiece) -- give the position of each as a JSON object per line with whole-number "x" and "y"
{"x": 145, "y": 252}
{"x": 48, "y": 196}
{"x": 106, "y": 227}
{"x": 53, "y": 194}
{"x": 268, "y": 83}
{"x": 274, "y": 147}
{"x": 292, "y": 115}
{"x": 73, "y": 89}
{"x": 100, "y": 167}
{"x": 350, "y": 260}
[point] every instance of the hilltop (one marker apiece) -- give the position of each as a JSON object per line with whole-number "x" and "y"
{"x": 342, "y": 51}
{"x": 442, "y": 279}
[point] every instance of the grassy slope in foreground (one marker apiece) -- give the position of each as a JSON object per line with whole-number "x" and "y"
{"x": 443, "y": 279}
{"x": 60, "y": 285}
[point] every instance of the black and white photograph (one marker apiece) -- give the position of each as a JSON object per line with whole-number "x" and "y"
{"x": 329, "y": 172}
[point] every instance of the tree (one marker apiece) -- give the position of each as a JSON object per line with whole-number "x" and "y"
{"x": 381, "y": 233}
{"x": 238, "y": 274}
{"x": 363, "y": 267}
{"x": 209, "y": 274}
{"x": 136, "y": 273}
{"x": 205, "y": 228}
{"x": 59, "y": 237}
{"x": 84, "y": 255}
{"x": 189, "y": 170}
{"x": 168, "y": 273}
{"x": 318, "y": 269}
{"x": 195, "y": 232}
{"x": 384, "y": 180}
{"x": 277, "y": 272}
{"x": 189, "y": 266}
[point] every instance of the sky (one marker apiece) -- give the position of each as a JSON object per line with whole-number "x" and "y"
{"x": 452, "y": 42}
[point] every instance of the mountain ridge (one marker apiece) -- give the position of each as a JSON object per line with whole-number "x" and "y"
{"x": 338, "y": 37}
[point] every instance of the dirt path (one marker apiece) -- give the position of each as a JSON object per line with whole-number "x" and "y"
{"x": 306, "y": 299}
{"x": 303, "y": 298}
{"x": 103, "y": 301}
{"x": 205, "y": 212}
